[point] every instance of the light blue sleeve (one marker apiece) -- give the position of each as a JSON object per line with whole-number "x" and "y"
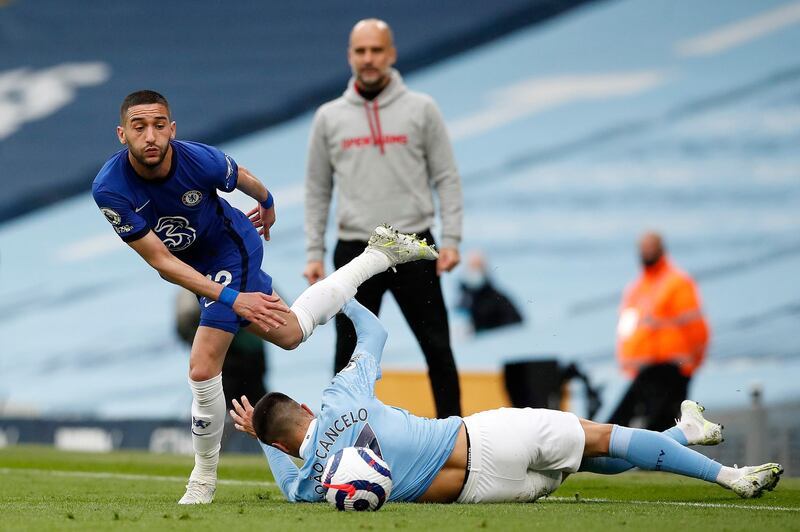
{"x": 370, "y": 333}
{"x": 364, "y": 367}
{"x": 284, "y": 470}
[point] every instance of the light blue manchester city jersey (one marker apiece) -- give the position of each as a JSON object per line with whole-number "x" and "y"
{"x": 415, "y": 448}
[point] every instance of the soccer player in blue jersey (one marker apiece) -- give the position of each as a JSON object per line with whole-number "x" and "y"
{"x": 503, "y": 455}
{"x": 161, "y": 197}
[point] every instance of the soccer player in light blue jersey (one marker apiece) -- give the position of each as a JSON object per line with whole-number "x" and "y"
{"x": 161, "y": 196}
{"x": 503, "y": 455}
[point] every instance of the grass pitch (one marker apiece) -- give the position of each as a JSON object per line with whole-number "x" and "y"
{"x": 45, "y": 489}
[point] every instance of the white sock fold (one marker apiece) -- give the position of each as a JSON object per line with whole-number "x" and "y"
{"x": 208, "y": 420}
{"x": 322, "y": 300}
{"x": 727, "y": 475}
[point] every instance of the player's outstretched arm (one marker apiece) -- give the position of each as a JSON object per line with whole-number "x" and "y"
{"x": 266, "y": 310}
{"x": 263, "y": 214}
{"x": 283, "y": 469}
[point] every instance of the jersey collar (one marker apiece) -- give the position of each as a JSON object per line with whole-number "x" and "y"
{"x": 312, "y": 427}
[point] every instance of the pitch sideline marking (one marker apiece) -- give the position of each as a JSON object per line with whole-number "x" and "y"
{"x": 130, "y": 476}
{"x": 675, "y": 503}
{"x": 255, "y": 483}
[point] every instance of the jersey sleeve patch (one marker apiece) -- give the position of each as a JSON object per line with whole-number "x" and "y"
{"x": 231, "y": 174}
{"x": 128, "y": 224}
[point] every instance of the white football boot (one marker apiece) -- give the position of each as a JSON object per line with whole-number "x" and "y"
{"x": 400, "y": 247}
{"x": 199, "y": 492}
{"x": 697, "y": 429}
{"x": 756, "y": 479}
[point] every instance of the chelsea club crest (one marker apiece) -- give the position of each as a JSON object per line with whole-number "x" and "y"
{"x": 192, "y": 198}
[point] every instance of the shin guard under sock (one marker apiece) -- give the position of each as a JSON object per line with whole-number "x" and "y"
{"x": 654, "y": 451}
{"x": 208, "y": 420}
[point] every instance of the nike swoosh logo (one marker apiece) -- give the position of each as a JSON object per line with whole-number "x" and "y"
{"x": 209, "y": 303}
{"x": 142, "y": 207}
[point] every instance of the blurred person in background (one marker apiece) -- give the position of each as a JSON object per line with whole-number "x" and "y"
{"x": 389, "y": 151}
{"x": 661, "y": 338}
{"x": 488, "y": 308}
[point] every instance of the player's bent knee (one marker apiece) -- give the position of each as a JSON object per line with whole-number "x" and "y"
{"x": 204, "y": 366}
{"x": 199, "y": 373}
{"x": 287, "y": 338}
{"x": 598, "y": 438}
{"x": 289, "y": 343}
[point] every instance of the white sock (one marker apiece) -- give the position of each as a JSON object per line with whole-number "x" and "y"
{"x": 208, "y": 420}
{"x": 727, "y": 475}
{"x": 322, "y": 300}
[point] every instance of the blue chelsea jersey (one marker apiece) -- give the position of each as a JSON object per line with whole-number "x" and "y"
{"x": 183, "y": 209}
{"x": 415, "y": 448}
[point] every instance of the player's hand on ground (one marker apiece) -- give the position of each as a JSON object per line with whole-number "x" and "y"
{"x": 242, "y": 416}
{"x": 314, "y": 271}
{"x": 262, "y": 219}
{"x": 448, "y": 259}
{"x": 256, "y": 307}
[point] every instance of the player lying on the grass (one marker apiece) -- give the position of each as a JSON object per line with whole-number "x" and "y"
{"x": 509, "y": 454}
{"x": 161, "y": 197}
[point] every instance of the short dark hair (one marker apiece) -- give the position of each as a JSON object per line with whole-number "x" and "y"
{"x": 142, "y": 97}
{"x": 274, "y": 416}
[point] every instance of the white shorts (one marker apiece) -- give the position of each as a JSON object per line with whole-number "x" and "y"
{"x": 520, "y": 454}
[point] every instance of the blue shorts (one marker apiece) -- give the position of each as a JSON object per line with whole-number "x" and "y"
{"x": 242, "y": 273}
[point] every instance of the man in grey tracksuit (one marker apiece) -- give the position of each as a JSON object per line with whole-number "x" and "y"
{"x": 389, "y": 152}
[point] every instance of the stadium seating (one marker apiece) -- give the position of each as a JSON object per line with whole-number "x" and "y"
{"x": 572, "y": 136}
{"x": 228, "y": 69}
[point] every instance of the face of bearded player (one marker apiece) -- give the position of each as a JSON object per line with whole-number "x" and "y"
{"x": 371, "y": 54}
{"x": 147, "y": 131}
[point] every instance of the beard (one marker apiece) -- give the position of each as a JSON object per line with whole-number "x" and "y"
{"x": 142, "y": 159}
{"x": 651, "y": 260}
{"x": 376, "y": 83}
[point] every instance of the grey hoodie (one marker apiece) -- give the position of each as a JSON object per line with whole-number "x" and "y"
{"x": 388, "y": 155}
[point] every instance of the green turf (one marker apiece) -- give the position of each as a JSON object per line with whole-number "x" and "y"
{"x": 35, "y": 496}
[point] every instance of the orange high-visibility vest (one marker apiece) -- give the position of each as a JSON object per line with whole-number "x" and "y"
{"x": 661, "y": 321}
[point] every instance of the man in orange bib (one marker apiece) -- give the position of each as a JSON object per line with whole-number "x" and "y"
{"x": 661, "y": 338}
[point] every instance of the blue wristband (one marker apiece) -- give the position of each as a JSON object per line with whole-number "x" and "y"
{"x": 269, "y": 202}
{"x": 227, "y": 296}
